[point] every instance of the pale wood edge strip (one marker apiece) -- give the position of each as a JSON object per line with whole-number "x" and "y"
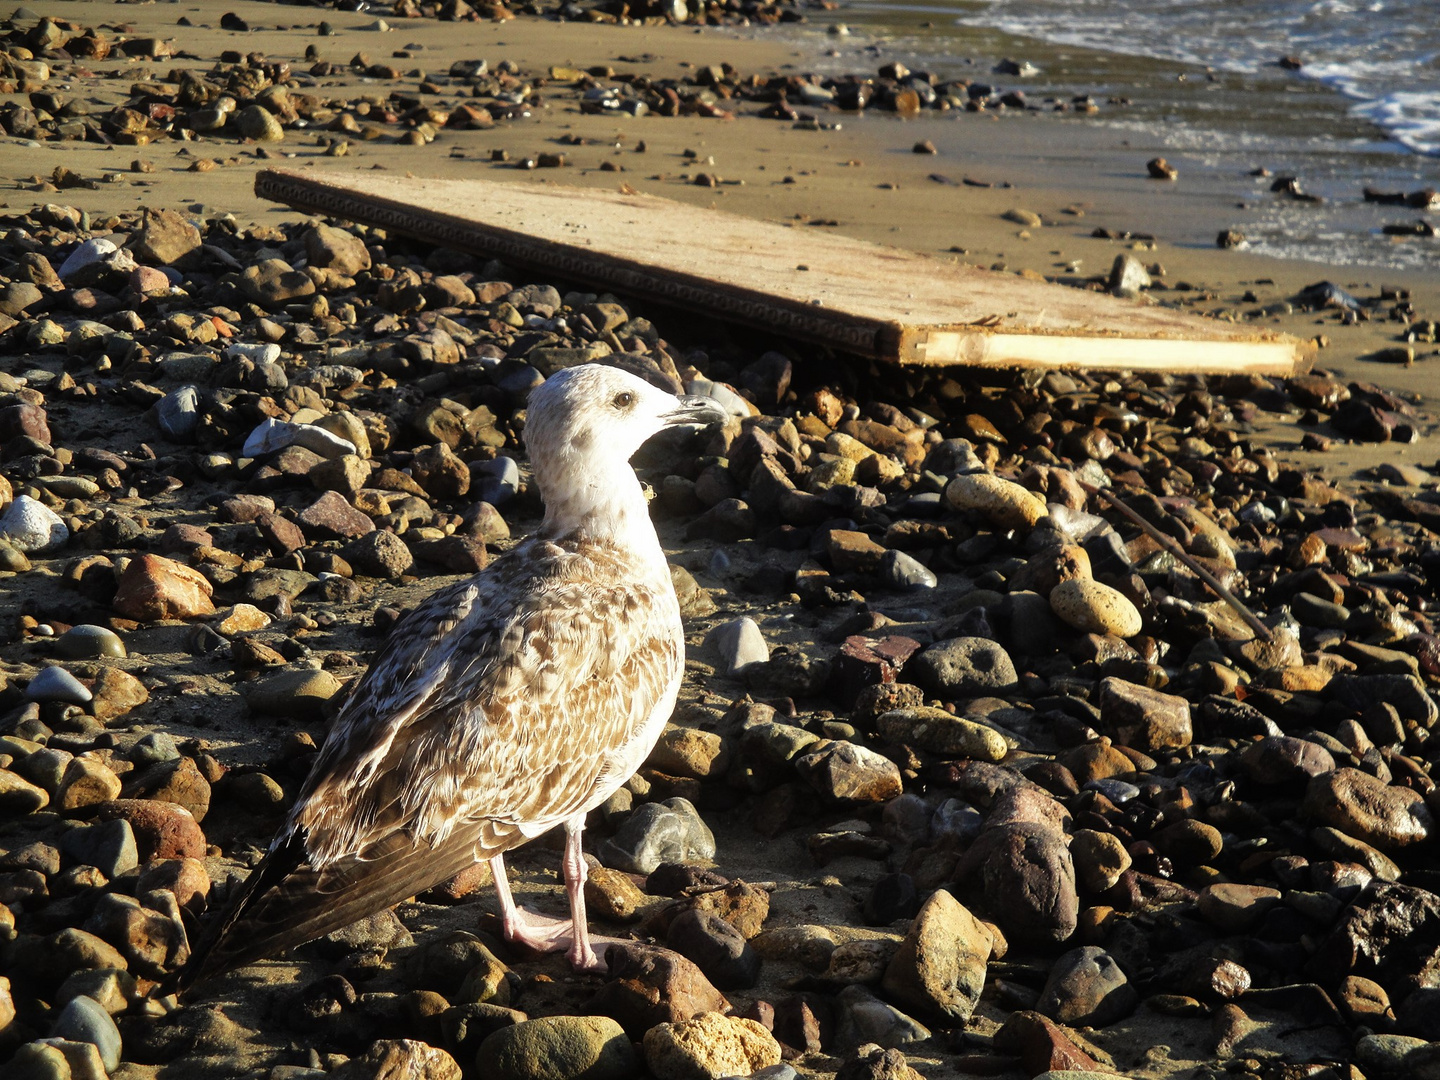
{"x": 978, "y": 347}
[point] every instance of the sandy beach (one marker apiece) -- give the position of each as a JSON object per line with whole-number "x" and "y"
{"x": 858, "y": 171}
{"x": 818, "y": 869}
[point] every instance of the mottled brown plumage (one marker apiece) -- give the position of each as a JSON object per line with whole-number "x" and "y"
{"x": 504, "y": 705}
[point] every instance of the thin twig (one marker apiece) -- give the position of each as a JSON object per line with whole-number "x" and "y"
{"x": 1169, "y": 544}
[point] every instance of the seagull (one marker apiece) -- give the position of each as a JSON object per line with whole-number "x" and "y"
{"x": 504, "y": 705}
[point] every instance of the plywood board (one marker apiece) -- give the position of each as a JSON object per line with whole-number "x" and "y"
{"x": 880, "y": 302}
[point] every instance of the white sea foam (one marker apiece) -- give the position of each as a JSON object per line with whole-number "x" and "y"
{"x": 1384, "y": 54}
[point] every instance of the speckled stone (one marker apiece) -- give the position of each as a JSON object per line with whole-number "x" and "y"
{"x": 1002, "y": 502}
{"x": 1093, "y": 608}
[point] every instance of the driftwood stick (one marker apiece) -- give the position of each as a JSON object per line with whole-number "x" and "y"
{"x": 1170, "y": 545}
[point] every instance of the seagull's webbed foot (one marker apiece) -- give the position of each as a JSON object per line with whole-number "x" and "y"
{"x": 544, "y": 934}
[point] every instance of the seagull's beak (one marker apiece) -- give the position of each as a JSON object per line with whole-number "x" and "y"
{"x": 695, "y": 409}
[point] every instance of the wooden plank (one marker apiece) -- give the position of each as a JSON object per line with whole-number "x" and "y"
{"x": 879, "y": 302}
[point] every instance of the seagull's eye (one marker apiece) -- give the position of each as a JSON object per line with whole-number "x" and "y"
{"x": 624, "y": 399}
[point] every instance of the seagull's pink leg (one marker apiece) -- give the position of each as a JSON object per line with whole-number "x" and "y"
{"x": 544, "y": 934}
{"x": 582, "y": 949}
{"x": 521, "y": 927}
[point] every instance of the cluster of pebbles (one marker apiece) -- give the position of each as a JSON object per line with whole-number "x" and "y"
{"x": 1043, "y": 788}
{"x": 260, "y": 100}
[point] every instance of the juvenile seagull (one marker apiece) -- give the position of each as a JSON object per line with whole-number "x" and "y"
{"x": 502, "y": 706}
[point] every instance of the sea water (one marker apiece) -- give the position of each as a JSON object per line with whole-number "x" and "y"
{"x": 1384, "y": 55}
{"x": 1204, "y": 86}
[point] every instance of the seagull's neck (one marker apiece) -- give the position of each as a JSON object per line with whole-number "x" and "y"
{"x": 600, "y": 502}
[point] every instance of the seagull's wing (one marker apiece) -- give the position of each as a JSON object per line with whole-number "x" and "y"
{"x": 501, "y": 706}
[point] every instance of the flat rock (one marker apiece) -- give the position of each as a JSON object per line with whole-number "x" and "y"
{"x": 330, "y": 517}
{"x": 1367, "y": 808}
{"x": 941, "y": 732}
{"x": 1001, "y": 502}
{"x": 964, "y": 667}
{"x": 1235, "y": 907}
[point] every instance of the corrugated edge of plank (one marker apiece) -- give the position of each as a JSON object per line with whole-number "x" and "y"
{"x": 1207, "y": 345}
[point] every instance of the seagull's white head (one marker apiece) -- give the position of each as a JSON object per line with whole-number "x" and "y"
{"x": 582, "y": 426}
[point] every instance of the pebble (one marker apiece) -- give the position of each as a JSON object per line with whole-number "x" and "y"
{"x": 687, "y": 751}
{"x": 178, "y": 413}
{"x": 1095, "y": 608}
{"x": 939, "y": 969}
{"x": 849, "y": 774}
{"x": 965, "y": 667}
{"x": 56, "y": 1059}
{"x": 153, "y": 587}
{"x": 1100, "y": 858}
{"x": 650, "y": 985}
{"x": 19, "y": 796}
{"x": 940, "y": 732}
{"x": 558, "y": 1048}
{"x": 296, "y": 694}
{"x": 716, "y": 947}
{"x": 1365, "y": 807}
{"x": 1235, "y": 907}
{"x": 1386, "y": 1055}
{"x": 738, "y": 643}
{"x": 862, "y": 1018}
{"x": 85, "y": 1020}
{"x": 93, "y": 257}
{"x": 1001, "y": 502}
{"x": 275, "y": 435}
{"x": 1144, "y": 719}
{"x": 162, "y": 830}
{"x": 496, "y": 482}
{"x": 56, "y": 684}
{"x": 708, "y": 1046}
{"x": 32, "y": 527}
{"x": 86, "y": 641}
{"x": 655, "y": 833}
{"x": 1087, "y": 988}
{"x": 906, "y": 573}
{"x": 86, "y": 782}
{"x": 392, "y": 1058}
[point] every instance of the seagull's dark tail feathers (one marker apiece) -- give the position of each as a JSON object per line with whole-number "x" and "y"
{"x": 218, "y": 950}
{"x": 286, "y": 901}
